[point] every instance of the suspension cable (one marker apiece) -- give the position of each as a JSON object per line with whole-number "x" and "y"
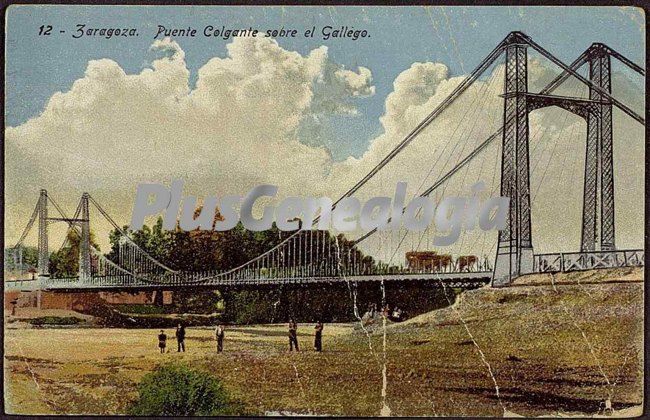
{"x": 115, "y": 225}
{"x": 29, "y": 225}
{"x": 76, "y": 214}
{"x": 577, "y": 75}
{"x": 468, "y": 81}
{"x": 620, "y": 57}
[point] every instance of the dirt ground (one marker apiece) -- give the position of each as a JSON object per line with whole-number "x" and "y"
{"x": 532, "y": 349}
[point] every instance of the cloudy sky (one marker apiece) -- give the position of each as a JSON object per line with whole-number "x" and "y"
{"x": 309, "y": 115}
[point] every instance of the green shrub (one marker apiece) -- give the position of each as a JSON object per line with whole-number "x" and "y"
{"x": 56, "y": 320}
{"x": 142, "y": 309}
{"x": 178, "y": 390}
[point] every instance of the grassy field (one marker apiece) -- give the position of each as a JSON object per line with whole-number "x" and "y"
{"x": 531, "y": 349}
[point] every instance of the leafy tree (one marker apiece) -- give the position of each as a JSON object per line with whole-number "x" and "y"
{"x": 193, "y": 251}
{"x": 65, "y": 262}
{"x": 30, "y": 257}
{"x": 156, "y": 241}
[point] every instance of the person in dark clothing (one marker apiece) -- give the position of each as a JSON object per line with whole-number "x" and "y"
{"x": 162, "y": 341}
{"x": 219, "y": 333}
{"x": 180, "y": 337}
{"x": 293, "y": 335}
{"x": 318, "y": 338}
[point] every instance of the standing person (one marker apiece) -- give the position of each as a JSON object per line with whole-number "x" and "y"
{"x": 219, "y": 332}
{"x": 293, "y": 335}
{"x": 180, "y": 337}
{"x": 318, "y": 337}
{"x": 162, "y": 341}
{"x": 397, "y": 314}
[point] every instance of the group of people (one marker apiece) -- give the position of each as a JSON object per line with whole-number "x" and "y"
{"x": 180, "y": 339}
{"x": 220, "y": 333}
{"x": 293, "y": 336}
{"x": 395, "y": 315}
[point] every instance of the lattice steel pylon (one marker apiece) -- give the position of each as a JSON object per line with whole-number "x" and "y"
{"x": 43, "y": 252}
{"x": 599, "y": 165}
{"x": 84, "y": 244}
{"x": 515, "y": 250}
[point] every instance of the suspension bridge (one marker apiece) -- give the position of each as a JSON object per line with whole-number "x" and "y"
{"x": 313, "y": 256}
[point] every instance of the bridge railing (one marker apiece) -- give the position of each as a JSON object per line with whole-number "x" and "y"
{"x": 314, "y": 271}
{"x": 463, "y": 279}
{"x": 18, "y": 285}
{"x": 259, "y": 275}
{"x": 577, "y": 261}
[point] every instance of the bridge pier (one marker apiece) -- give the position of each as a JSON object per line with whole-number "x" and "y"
{"x": 598, "y": 201}
{"x": 84, "y": 244}
{"x": 43, "y": 252}
{"x": 515, "y": 250}
{"x": 158, "y": 298}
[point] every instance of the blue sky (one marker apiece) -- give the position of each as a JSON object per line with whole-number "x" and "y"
{"x": 460, "y": 37}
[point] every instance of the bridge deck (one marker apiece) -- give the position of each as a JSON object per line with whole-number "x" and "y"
{"x": 465, "y": 279}
{"x": 543, "y": 263}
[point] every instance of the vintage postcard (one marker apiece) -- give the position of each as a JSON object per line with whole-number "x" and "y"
{"x": 217, "y": 210}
